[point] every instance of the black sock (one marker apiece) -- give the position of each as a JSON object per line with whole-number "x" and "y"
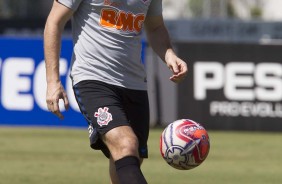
{"x": 128, "y": 171}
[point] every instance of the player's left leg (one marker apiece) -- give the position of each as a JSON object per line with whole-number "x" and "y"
{"x": 137, "y": 110}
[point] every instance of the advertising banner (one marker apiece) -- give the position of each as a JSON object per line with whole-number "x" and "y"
{"x": 232, "y": 86}
{"x": 23, "y": 84}
{"x": 229, "y": 86}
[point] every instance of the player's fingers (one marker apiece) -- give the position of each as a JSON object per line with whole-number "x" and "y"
{"x": 56, "y": 110}
{"x": 175, "y": 79}
{"x": 66, "y": 101}
{"x": 174, "y": 67}
{"x": 178, "y": 77}
{"x": 183, "y": 68}
{"x": 49, "y": 105}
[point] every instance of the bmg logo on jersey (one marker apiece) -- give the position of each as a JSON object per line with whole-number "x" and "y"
{"x": 120, "y": 20}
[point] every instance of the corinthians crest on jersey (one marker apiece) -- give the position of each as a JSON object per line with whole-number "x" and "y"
{"x": 103, "y": 116}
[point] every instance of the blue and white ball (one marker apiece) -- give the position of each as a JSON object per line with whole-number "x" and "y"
{"x": 184, "y": 144}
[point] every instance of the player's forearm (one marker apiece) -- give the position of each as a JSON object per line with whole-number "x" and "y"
{"x": 52, "y": 47}
{"x": 160, "y": 42}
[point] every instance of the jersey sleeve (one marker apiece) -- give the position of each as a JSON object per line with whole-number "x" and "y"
{"x": 155, "y": 8}
{"x": 72, "y": 4}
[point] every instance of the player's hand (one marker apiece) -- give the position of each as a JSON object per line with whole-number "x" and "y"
{"x": 177, "y": 66}
{"x": 55, "y": 92}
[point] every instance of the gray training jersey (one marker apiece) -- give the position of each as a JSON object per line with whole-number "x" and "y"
{"x": 107, "y": 40}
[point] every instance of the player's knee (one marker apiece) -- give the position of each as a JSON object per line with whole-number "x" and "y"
{"x": 128, "y": 147}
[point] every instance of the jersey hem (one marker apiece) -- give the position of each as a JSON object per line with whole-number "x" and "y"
{"x": 144, "y": 88}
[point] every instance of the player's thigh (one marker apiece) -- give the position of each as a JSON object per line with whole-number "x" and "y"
{"x": 121, "y": 141}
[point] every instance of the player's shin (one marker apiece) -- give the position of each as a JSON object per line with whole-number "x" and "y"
{"x": 128, "y": 171}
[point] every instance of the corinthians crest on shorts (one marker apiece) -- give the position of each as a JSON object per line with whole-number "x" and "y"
{"x": 103, "y": 116}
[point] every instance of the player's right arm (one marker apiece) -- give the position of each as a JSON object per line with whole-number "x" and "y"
{"x": 54, "y": 27}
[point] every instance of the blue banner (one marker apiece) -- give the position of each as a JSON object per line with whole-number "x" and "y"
{"x": 23, "y": 84}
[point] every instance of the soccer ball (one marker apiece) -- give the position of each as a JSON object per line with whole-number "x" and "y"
{"x": 184, "y": 144}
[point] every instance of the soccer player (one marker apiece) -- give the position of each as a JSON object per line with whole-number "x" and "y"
{"x": 109, "y": 80}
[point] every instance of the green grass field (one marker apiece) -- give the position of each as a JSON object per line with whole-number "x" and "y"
{"x": 62, "y": 156}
